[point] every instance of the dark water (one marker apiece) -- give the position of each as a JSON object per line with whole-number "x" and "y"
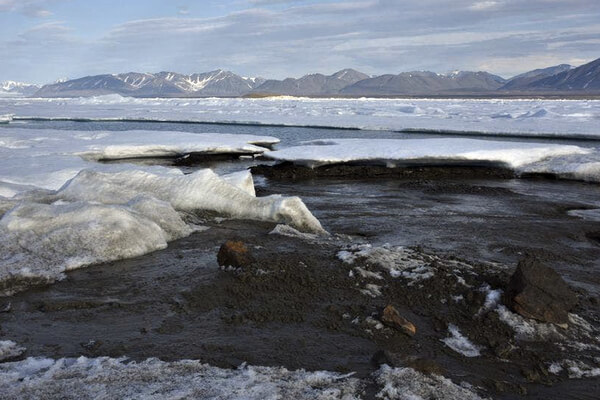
{"x": 289, "y": 136}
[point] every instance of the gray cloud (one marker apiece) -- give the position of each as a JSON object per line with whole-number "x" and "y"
{"x": 377, "y": 36}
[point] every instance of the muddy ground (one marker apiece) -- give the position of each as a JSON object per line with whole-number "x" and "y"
{"x": 300, "y": 306}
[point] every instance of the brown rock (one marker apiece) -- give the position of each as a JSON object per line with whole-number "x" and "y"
{"x": 537, "y": 291}
{"x": 392, "y": 318}
{"x": 235, "y": 254}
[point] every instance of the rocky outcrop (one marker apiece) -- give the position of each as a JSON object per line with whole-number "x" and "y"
{"x": 537, "y": 291}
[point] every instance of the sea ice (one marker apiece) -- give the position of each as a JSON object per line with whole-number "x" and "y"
{"x": 532, "y": 117}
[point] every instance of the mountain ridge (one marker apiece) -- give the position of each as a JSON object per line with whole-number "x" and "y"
{"x": 558, "y": 79}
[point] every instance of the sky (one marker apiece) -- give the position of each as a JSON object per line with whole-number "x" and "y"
{"x": 45, "y": 40}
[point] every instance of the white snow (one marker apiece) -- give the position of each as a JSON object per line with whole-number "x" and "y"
{"x": 575, "y": 369}
{"x": 398, "y": 261}
{"x": 459, "y": 343}
{"x": 528, "y": 329}
{"x": 408, "y": 384}
{"x": 560, "y": 118}
{"x": 109, "y": 378}
{"x": 9, "y": 349}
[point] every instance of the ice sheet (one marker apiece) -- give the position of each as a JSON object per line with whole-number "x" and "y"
{"x": 567, "y": 161}
{"x": 558, "y": 118}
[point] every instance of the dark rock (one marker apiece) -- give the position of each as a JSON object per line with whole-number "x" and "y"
{"x": 425, "y": 366}
{"x": 234, "y": 254}
{"x": 385, "y": 357}
{"x": 392, "y": 318}
{"x": 537, "y": 291}
{"x": 6, "y": 308}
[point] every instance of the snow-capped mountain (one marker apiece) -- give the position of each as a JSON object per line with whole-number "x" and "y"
{"x": 12, "y": 88}
{"x": 426, "y": 83}
{"x": 163, "y": 84}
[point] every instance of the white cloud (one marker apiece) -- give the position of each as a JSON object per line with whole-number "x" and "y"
{"x": 483, "y": 5}
{"x": 31, "y": 8}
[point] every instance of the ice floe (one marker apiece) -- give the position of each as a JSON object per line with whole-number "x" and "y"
{"x": 567, "y": 161}
{"x": 555, "y": 118}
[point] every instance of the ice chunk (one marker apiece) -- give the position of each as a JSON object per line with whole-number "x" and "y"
{"x": 459, "y": 343}
{"x": 40, "y": 241}
{"x": 202, "y": 190}
{"x": 242, "y": 180}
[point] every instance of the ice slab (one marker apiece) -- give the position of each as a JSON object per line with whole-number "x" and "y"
{"x": 48, "y": 158}
{"x": 567, "y": 161}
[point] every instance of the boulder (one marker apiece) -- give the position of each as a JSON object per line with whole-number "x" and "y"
{"x": 392, "y": 318}
{"x": 537, "y": 291}
{"x": 235, "y": 254}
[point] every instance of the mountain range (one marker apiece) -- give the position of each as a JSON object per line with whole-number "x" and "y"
{"x": 556, "y": 80}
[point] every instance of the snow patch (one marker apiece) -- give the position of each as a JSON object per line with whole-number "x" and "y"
{"x": 154, "y": 379}
{"x": 459, "y": 343}
{"x": 10, "y": 350}
{"x": 408, "y": 384}
{"x": 397, "y": 261}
